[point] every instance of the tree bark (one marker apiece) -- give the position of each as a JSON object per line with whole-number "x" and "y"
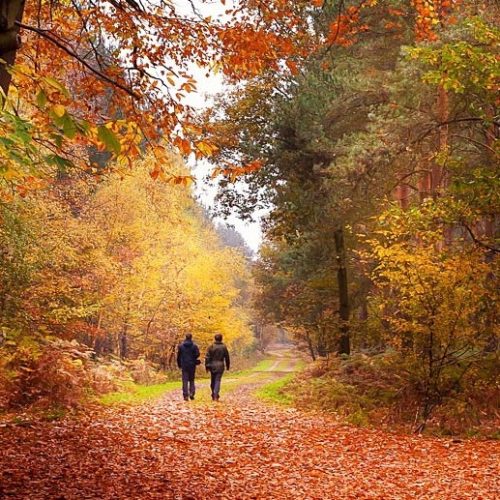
{"x": 11, "y": 11}
{"x": 344, "y": 307}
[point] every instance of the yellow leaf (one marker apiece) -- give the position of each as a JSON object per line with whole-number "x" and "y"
{"x": 206, "y": 148}
{"x": 10, "y": 174}
{"x": 59, "y": 110}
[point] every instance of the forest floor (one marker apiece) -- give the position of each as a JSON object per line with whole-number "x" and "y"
{"x": 239, "y": 448}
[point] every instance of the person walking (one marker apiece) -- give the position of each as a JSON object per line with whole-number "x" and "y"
{"x": 187, "y": 359}
{"x": 217, "y": 356}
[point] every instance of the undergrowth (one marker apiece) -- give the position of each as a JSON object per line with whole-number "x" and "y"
{"x": 378, "y": 390}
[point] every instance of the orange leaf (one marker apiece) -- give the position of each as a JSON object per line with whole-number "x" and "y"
{"x": 292, "y": 66}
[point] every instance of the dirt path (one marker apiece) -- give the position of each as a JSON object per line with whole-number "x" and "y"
{"x": 237, "y": 449}
{"x": 274, "y": 366}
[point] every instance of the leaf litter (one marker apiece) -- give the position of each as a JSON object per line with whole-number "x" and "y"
{"x": 238, "y": 449}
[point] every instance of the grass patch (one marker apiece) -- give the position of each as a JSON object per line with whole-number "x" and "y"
{"x": 299, "y": 365}
{"x": 275, "y": 391}
{"x": 377, "y": 390}
{"x": 264, "y": 365}
{"x": 286, "y": 365}
{"x": 133, "y": 394}
{"x": 282, "y": 365}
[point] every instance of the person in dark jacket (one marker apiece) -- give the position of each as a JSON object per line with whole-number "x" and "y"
{"x": 217, "y": 356}
{"x": 187, "y": 359}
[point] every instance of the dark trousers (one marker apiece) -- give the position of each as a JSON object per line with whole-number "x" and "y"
{"x": 188, "y": 388}
{"x": 215, "y": 380}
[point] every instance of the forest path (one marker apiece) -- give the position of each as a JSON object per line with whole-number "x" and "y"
{"x": 282, "y": 360}
{"x": 240, "y": 448}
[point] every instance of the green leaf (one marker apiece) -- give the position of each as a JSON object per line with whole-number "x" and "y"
{"x": 7, "y": 142}
{"x": 63, "y": 164}
{"x": 58, "y": 140}
{"x": 41, "y": 99}
{"x": 83, "y": 126}
{"x": 66, "y": 123}
{"x": 68, "y": 126}
{"x": 109, "y": 139}
{"x": 57, "y": 85}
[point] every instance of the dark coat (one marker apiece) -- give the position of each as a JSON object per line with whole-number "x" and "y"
{"x": 187, "y": 354}
{"x": 217, "y": 355}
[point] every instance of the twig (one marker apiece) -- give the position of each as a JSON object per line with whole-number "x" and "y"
{"x": 477, "y": 241}
{"x": 57, "y": 43}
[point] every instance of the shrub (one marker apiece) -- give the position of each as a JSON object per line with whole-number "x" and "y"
{"x": 42, "y": 378}
{"x": 143, "y": 372}
{"x": 438, "y": 304}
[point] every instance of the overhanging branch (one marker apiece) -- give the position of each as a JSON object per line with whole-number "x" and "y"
{"x": 52, "y": 39}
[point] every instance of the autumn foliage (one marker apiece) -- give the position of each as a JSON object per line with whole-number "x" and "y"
{"x": 122, "y": 267}
{"x": 368, "y": 130}
{"x": 115, "y": 76}
{"x": 363, "y": 134}
{"x": 387, "y": 135}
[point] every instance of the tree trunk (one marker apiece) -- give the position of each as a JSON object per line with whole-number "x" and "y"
{"x": 322, "y": 350}
{"x": 438, "y": 173}
{"x": 172, "y": 355}
{"x": 344, "y": 308}
{"x": 10, "y": 12}
{"x": 402, "y": 195}
{"x": 123, "y": 344}
{"x": 310, "y": 345}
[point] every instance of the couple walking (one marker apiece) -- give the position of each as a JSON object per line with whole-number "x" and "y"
{"x": 188, "y": 358}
